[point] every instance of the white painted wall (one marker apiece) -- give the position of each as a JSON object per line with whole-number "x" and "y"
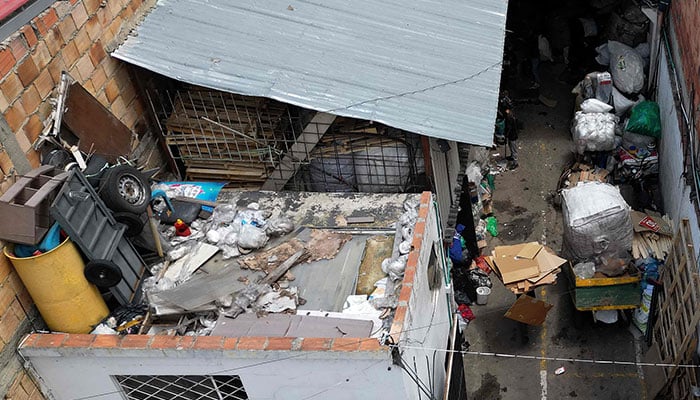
{"x": 674, "y": 188}
{"x": 76, "y": 374}
{"x": 427, "y": 324}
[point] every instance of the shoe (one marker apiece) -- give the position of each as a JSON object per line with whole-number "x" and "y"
{"x": 509, "y": 158}
{"x": 513, "y": 166}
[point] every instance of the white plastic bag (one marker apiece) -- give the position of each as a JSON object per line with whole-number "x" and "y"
{"x": 622, "y": 103}
{"x": 593, "y": 131}
{"x": 595, "y": 106}
{"x": 544, "y": 48}
{"x": 626, "y": 67}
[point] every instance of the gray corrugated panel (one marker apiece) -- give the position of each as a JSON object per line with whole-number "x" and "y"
{"x": 350, "y": 58}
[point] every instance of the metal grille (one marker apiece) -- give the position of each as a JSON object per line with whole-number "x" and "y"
{"x": 190, "y": 387}
{"x": 255, "y": 142}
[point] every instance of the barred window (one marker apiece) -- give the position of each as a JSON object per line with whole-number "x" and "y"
{"x": 190, "y": 387}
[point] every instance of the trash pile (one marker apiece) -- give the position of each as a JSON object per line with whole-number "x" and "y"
{"x": 168, "y": 259}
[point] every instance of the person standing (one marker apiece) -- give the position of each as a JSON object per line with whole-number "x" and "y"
{"x": 512, "y": 137}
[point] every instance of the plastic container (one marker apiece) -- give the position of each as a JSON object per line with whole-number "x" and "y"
{"x": 482, "y": 295}
{"x": 55, "y": 281}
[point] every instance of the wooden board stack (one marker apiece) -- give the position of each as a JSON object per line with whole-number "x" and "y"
{"x": 650, "y": 244}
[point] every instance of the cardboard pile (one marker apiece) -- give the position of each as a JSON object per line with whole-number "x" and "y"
{"x": 581, "y": 172}
{"x": 652, "y": 235}
{"x": 525, "y": 266}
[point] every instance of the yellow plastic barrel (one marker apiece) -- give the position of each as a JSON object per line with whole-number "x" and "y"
{"x": 55, "y": 281}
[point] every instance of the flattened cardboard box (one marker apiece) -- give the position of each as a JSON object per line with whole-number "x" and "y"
{"x": 529, "y": 310}
{"x": 530, "y": 261}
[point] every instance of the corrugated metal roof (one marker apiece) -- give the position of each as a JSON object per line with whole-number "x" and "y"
{"x": 427, "y": 66}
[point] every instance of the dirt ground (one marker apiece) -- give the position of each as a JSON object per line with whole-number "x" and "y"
{"x": 523, "y": 205}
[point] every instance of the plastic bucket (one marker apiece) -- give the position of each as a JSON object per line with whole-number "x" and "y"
{"x": 482, "y": 295}
{"x": 55, "y": 281}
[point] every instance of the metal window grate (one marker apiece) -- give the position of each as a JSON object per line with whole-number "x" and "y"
{"x": 190, "y": 387}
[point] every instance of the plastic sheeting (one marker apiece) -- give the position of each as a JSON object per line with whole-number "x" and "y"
{"x": 596, "y": 221}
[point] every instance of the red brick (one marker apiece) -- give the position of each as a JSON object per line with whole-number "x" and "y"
{"x": 27, "y": 383}
{"x": 370, "y": 344}
{"x": 345, "y": 344}
{"x": 114, "y": 7}
{"x": 30, "y": 100}
{"x": 33, "y": 157}
{"x": 5, "y": 266}
{"x": 54, "y": 41}
{"x": 18, "y": 47}
{"x": 33, "y": 128}
{"x": 55, "y": 67}
{"x": 315, "y": 344}
{"x": 29, "y": 340}
{"x": 70, "y": 54}
{"x": 84, "y": 67}
{"x": 111, "y": 90}
{"x": 41, "y": 55}
{"x": 135, "y": 4}
{"x": 185, "y": 342}
{"x": 79, "y": 15}
{"x": 87, "y": 85}
{"x": 164, "y": 342}
{"x": 23, "y": 142}
{"x": 105, "y": 341}
{"x": 50, "y": 340}
{"x": 7, "y": 296}
{"x": 279, "y": 343}
{"x": 91, "y": 6}
{"x": 98, "y": 78}
{"x": 27, "y": 71}
{"x": 406, "y": 292}
{"x": 425, "y": 197}
{"x": 15, "y": 116}
{"x": 16, "y": 390}
{"x": 423, "y": 211}
{"x": 82, "y": 41}
{"x": 7, "y": 62}
{"x": 11, "y": 87}
{"x": 29, "y": 35}
{"x": 67, "y": 28}
{"x": 400, "y": 315}
{"x": 409, "y": 275}
{"x": 252, "y": 343}
{"x": 208, "y": 343}
{"x": 44, "y": 84}
{"x": 118, "y": 107}
{"x": 93, "y": 28}
{"x": 135, "y": 341}
{"x": 45, "y": 21}
{"x": 419, "y": 229}
{"x": 3, "y": 103}
{"x": 97, "y": 53}
{"x": 79, "y": 340}
{"x": 230, "y": 343}
{"x": 412, "y": 261}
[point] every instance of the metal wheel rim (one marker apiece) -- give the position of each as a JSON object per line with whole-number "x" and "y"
{"x": 130, "y": 189}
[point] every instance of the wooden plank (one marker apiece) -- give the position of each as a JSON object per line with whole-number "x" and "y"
{"x": 96, "y": 127}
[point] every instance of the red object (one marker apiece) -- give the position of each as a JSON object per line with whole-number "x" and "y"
{"x": 482, "y": 264}
{"x": 647, "y": 222}
{"x": 181, "y": 228}
{"x": 7, "y": 7}
{"x": 466, "y": 312}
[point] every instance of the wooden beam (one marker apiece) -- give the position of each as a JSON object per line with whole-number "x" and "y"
{"x": 299, "y": 152}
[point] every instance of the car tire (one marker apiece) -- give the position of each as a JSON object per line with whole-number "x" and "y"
{"x": 133, "y": 222}
{"x": 125, "y": 189}
{"x": 103, "y": 273}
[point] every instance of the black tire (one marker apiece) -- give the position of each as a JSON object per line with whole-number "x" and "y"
{"x": 96, "y": 166}
{"x": 103, "y": 273}
{"x": 124, "y": 189}
{"x": 133, "y": 222}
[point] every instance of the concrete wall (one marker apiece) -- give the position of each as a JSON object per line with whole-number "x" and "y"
{"x": 279, "y": 375}
{"x": 74, "y": 36}
{"x": 674, "y": 187}
{"x": 426, "y": 324}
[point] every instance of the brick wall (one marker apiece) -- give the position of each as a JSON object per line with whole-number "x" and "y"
{"x": 74, "y": 36}
{"x": 686, "y": 19}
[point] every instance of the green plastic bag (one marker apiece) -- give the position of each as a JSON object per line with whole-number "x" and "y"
{"x": 645, "y": 119}
{"x": 492, "y": 226}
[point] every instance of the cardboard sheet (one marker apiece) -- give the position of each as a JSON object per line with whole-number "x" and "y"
{"x": 528, "y": 310}
{"x": 512, "y": 268}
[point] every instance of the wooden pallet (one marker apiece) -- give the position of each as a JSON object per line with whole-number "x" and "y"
{"x": 678, "y": 311}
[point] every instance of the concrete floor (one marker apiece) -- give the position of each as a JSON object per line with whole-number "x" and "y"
{"x": 523, "y": 205}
